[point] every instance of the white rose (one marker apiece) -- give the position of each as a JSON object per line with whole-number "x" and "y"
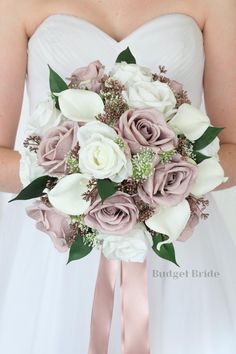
{"x": 131, "y": 247}
{"x": 44, "y": 117}
{"x": 170, "y": 221}
{"x": 100, "y": 156}
{"x": 210, "y": 175}
{"x": 29, "y": 168}
{"x": 151, "y": 94}
{"x": 130, "y": 73}
{"x": 80, "y": 105}
{"x": 189, "y": 121}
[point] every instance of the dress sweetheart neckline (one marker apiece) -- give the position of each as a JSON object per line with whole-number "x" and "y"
{"x": 105, "y": 34}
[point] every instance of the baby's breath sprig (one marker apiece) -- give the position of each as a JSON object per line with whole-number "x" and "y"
{"x": 72, "y": 160}
{"x": 91, "y": 239}
{"x": 166, "y": 156}
{"x": 142, "y": 165}
{"x": 89, "y": 235}
{"x": 120, "y": 142}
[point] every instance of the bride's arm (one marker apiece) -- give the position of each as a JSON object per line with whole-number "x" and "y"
{"x": 13, "y": 44}
{"x": 220, "y": 79}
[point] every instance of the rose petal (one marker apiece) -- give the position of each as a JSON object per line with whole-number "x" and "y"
{"x": 66, "y": 196}
{"x": 210, "y": 175}
{"x": 170, "y": 221}
{"x": 189, "y": 121}
{"x": 86, "y": 132}
{"x": 80, "y": 105}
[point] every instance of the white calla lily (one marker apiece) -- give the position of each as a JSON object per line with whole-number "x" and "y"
{"x": 66, "y": 196}
{"x": 80, "y": 105}
{"x": 210, "y": 175}
{"x": 189, "y": 121}
{"x": 170, "y": 221}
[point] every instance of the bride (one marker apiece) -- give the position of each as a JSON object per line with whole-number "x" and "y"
{"x": 45, "y": 306}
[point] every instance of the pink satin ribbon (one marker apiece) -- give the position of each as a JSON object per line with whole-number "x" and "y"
{"x": 134, "y": 307}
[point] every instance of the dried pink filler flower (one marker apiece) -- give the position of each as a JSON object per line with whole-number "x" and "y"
{"x": 114, "y": 103}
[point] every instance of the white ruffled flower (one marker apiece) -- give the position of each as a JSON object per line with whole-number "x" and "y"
{"x": 210, "y": 175}
{"x": 170, "y": 221}
{"x": 67, "y": 195}
{"x": 127, "y": 74}
{"x": 29, "y": 168}
{"x": 132, "y": 247}
{"x": 151, "y": 94}
{"x": 189, "y": 121}
{"x": 80, "y": 105}
{"x": 44, "y": 117}
{"x": 100, "y": 156}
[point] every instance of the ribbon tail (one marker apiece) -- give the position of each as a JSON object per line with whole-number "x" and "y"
{"x": 135, "y": 308}
{"x": 103, "y": 306}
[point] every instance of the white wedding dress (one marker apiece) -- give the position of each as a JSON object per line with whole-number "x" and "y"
{"x": 45, "y": 305}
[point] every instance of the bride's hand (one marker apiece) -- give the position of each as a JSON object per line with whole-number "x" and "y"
{"x": 220, "y": 79}
{"x": 13, "y": 44}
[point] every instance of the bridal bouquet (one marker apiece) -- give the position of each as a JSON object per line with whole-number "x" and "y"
{"x": 119, "y": 161}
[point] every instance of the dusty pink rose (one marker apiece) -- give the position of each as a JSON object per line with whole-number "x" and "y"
{"x": 146, "y": 128}
{"x": 116, "y": 215}
{"x": 54, "y": 147}
{"x": 89, "y": 76}
{"x": 51, "y": 222}
{"x": 169, "y": 184}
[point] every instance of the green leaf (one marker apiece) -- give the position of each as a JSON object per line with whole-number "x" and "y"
{"x": 106, "y": 188}
{"x": 167, "y": 250}
{"x": 34, "y": 189}
{"x": 208, "y": 136}
{"x": 126, "y": 56}
{"x": 78, "y": 249}
{"x": 200, "y": 157}
{"x": 57, "y": 84}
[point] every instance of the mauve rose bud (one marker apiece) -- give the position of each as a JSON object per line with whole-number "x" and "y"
{"x": 117, "y": 215}
{"x": 192, "y": 222}
{"x": 176, "y": 86}
{"x": 89, "y": 76}
{"x": 52, "y": 222}
{"x": 169, "y": 184}
{"x": 146, "y": 128}
{"x": 54, "y": 147}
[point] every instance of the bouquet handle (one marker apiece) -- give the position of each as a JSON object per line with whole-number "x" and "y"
{"x": 134, "y": 307}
